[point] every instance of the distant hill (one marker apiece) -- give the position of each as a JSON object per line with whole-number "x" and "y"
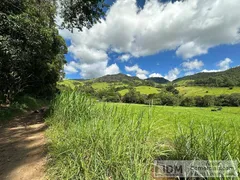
{"x": 230, "y": 77}
{"x": 159, "y": 80}
{"x": 117, "y": 78}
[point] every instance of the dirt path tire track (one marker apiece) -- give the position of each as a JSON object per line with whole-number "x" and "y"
{"x": 23, "y": 148}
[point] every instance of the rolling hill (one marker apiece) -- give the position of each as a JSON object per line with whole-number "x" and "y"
{"x": 159, "y": 80}
{"x": 230, "y": 77}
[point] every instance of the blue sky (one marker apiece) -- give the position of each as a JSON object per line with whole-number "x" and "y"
{"x": 169, "y": 39}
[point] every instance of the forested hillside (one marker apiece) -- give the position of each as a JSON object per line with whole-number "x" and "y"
{"x": 228, "y": 78}
{"x": 160, "y": 80}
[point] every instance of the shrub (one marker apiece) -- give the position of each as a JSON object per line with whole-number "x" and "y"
{"x": 188, "y": 101}
{"x": 208, "y": 100}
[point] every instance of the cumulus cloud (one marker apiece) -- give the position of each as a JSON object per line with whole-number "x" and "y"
{"x": 189, "y": 27}
{"x": 191, "y": 49}
{"x": 191, "y": 65}
{"x": 223, "y": 66}
{"x": 172, "y": 74}
{"x": 140, "y": 73}
{"x": 98, "y": 69}
{"x": 212, "y": 70}
{"x": 155, "y": 75}
{"x": 71, "y": 68}
{"x": 124, "y": 57}
{"x": 189, "y": 73}
{"x": 112, "y": 69}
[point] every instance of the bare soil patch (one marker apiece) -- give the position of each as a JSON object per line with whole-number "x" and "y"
{"x": 23, "y": 147}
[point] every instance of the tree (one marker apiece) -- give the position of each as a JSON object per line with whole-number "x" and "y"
{"x": 31, "y": 50}
{"x": 172, "y": 89}
{"x": 188, "y": 101}
{"x": 133, "y": 97}
{"x": 208, "y": 101}
{"x": 81, "y": 13}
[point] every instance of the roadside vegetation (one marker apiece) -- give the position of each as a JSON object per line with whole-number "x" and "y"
{"x": 19, "y": 106}
{"x": 93, "y": 140}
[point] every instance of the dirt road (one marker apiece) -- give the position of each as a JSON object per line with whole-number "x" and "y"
{"x": 23, "y": 148}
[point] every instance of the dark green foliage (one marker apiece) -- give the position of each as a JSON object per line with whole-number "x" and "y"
{"x": 117, "y": 78}
{"x": 123, "y": 78}
{"x": 164, "y": 98}
{"x": 188, "y": 101}
{"x": 172, "y": 89}
{"x": 81, "y": 13}
{"x": 86, "y": 89}
{"x": 133, "y": 97}
{"x": 228, "y": 78}
{"x": 31, "y": 50}
{"x": 159, "y": 80}
{"x": 208, "y": 101}
{"x": 108, "y": 95}
{"x": 228, "y": 100}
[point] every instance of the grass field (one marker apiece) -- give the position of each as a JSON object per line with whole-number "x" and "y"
{"x": 202, "y": 91}
{"x": 99, "y": 86}
{"x": 70, "y": 83}
{"x": 168, "y": 117}
{"x": 90, "y": 140}
{"x": 143, "y": 90}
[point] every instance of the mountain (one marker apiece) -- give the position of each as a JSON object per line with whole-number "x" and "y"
{"x": 230, "y": 77}
{"x": 117, "y": 78}
{"x": 159, "y": 80}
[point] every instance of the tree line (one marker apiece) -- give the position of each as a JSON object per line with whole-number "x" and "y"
{"x": 228, "y": 78}
{"x": 168, "y": 96}
{"x": 31, "y": 49}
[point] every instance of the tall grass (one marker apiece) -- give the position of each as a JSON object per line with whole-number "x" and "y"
{"x": 203, "y": 142}
{"x": 212, "y": 143}
{"x": 91, "y": 140}
{"x": 97, "y": 141}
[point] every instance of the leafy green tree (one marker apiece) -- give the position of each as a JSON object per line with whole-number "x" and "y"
{"x": 208, "y": 101}
{"x": 81, "y": 13}
{"x": 133, "y": 97}
{"x": 172, "y": 89}
{"x": 31, "y": 50}
{"x": 188, "y": 101}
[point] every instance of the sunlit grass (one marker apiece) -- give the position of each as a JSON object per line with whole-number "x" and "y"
{"x": 202, "y": 91}
{"x": 90, "y": 140}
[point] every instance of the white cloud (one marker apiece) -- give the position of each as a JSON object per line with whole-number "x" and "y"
{"x": 189, "y": 73}
{"x": 71, "y": 67}
{"x": 140, "y": 73}
{"x": 189, "y": 27}
{"x": 141, "y": 76}
{"x": 155, "y": 75}
{"x": 124, "y": 57}
{"x": 212, "y": 70}
{"x": 172, "y": 74}
{"x": 112, "y": 69}
{"x": 191, "y": 65}
{"x": 224, "y": 64}
{"x": 98, "y": 69}
{"x": 191, "y": 49}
